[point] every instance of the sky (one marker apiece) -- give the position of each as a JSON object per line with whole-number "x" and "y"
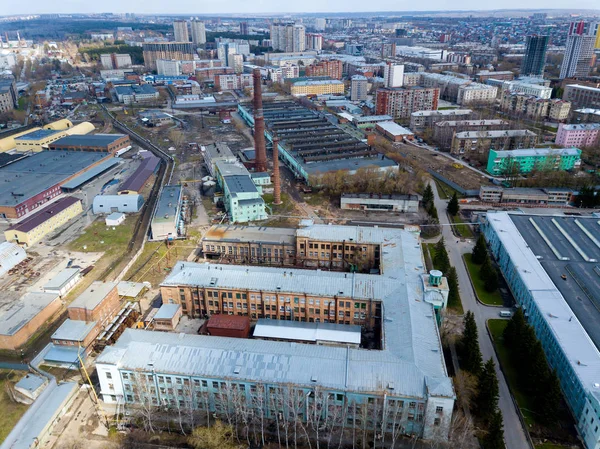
{"x": 198, "y": 7}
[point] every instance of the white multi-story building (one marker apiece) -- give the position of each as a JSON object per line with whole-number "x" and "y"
{"x": 180, "y": 31}
{"x": 358, "y": 88}
{"x": 393, "y": 75}
{"x": 579, "y": 50}
{"x": 459, "y": 90}
{"x": 320, "y": 24}
{"x": 314, "y": 41}
{"x": 198, "y": 32}
{"x": 522, "y": 87}
{"x": 421, "y": 52}
{"x": 112, "y": 61}
{"x": 288, "y": 37}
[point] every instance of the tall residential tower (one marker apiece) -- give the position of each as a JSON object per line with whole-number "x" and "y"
{"x": 579, "y": 49}
{"x": 180, "y": 31}
{"x": 198, "y": 32}
{"x": 535, "y": 56}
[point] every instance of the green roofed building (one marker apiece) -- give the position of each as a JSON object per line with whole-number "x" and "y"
{"x": 527, "y": 160}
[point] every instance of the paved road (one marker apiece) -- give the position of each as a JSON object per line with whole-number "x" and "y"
{"x": 514, "y": 434}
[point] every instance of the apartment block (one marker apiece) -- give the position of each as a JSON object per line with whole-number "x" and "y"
{"x": 527, "y": 160}
{"x": 534, "y": 107}
{"x": 579, "y": 51}
{"x": 421, "y": 120}
{"x": 444, "y": 131}
{"x": 288, "y": 37}
{"x": 402, "y": 102}
{"x": 459, "y": 90}
{"x": 153, "y": 51}
{"x": 317, "y": 87}
{"x": 327, "y": 67}
{"x": 233, "y": 81}
{"x": 583, "y": 135}
{"x": 359, "y": 88}
{"x": 8, "y": 94}
{"x": 469, "y": 142}
{"x": 582, "y": 96}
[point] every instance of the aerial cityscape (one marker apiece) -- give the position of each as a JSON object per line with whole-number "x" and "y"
{"x": 343, "y": 226}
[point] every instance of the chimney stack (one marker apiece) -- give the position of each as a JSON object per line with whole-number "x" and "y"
{"x": 260, "y": 146}
{"x": 276, "y": 179}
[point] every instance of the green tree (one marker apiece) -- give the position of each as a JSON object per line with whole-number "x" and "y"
{"x": 491, "y": 281}
{"x": 514, "y": 330}
{"x": 550, "y": 400}
{"x": 479, "y": 250}
{"x": 470, "y": 352}
{"x": 453, "y": 206}
{"x": 494, "y": 439}
{"x": 432, "y": 211}
{"x": 487, "y": 396}
{"x": 486, "y": 268}
{"x": 427, "y": 196}
{"x": 441, "y": 261}
{"x": 454, "y": 293}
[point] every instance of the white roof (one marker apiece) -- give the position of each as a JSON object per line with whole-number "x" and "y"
{"x": 11, "y": 254}
{"x": 577, "y": 346}
{"x": 167, "y": 311}
{"x": 61, "y": 279}
{"x": 494, "y": 134}
{"x": 93, "y": 295}
{"x": 394, "y": 129}
{"x": 539, "y": 152}
{"x": 442, "y": 112}
{"x": 300, "y": 331}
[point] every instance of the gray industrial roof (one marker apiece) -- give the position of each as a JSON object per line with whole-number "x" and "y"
{"x": 240, "y": 184}
{"x": 73, "y": 330}
{"x": 15, "y": 315}
{"x": 168, "y": 204}
{"x": 11, "y": 254}
{"x": 130, "y": 289}
{"x": 258, "y": 234}
{"x": 300, "y": 331}
{"x": 92, "y": 140}
{"x": 30, "y": 176}
{"x": 93, "y": 295}
{"x": 411, "y": 359}
{"x": 566, "y": 310}
{"x": 167, "y": 311}
{"x": 38, "y": 134}
{"x": 62, "y": 278}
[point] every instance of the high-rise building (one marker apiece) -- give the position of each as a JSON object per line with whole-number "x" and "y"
{"x": 180, "y": 31}
{"x": 198, "y": 32}
{"x": 314, "y": 41}
{"x": 288, "y": 37}
{"x": 388, "y": 50}
{"x": 244, "y": 28}
{"x": 358, "y": 88}
{"x": 183, "y": 51}
{"x": 332, "y": 68}
{"x": 535, "y": 56}
{"x": 115, "y": 61}
{"x": 393, "y": 75}
{"x": 579, "y": 51}
{"x": 320, "y": 24}
{"x": 402, "y": 102}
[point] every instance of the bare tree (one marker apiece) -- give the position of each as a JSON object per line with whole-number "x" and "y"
{"x": 144, "y": 390}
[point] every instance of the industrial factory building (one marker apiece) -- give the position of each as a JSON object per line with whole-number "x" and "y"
{"x": 550, "y": 264}
{"x": 403, "y": 385}
{"x": 167, "y": 222}
{"x": 379, "y": 202}
{"x": 33, "y": 181}
{"x": 108, "y": 143}
{"x": 309, "y": 144}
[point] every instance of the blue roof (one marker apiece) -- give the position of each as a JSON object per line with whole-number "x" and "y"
{"x": 64, "y": 354}
{"x": 38, "y": 134}
{"x": 31, "y": 382}
{"x": 91, "y": 173}
{"x": 240, "y": 184}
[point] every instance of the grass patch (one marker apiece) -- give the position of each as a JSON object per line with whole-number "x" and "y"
{"x": 461, "y": 230}
{"x": 315, "y": 198}
{"x": 99, "y": 238}
{"x": 491, "y": 299}
{"x": 286, "y": 206}
{"x": 11, "y": 411}
{"x": 496, "y": 328}
{"x": 445, "y": 191}
{"x": 427, "y": 256}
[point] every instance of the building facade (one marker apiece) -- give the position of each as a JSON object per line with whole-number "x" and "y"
{"x": 467, "y": 142}
{"x": 443, "y": 132}
{"x": 535, "y": 108}
{"x": 526, "y": 196}
{"x": 183, "y": 51}
{"x": 535, "y": 55}
{"x": 579, "y": 51}
{"x": 180, "y": 31}
{"x": 198, "y": 32}
{"x": 582, "y": 96}
{"x": 359, "y": 88}
{"x": 327, "y": 67}
{"x": 8, "y": 94}
{"x": 288, "y": 37}
{"x": 380, "y": 203}
{"x": 459, "y": 90}
{"x": 584, "y": 135}
{"x": 527, "y": 160}
{"x": 402, "y": 102}
{"x": 323, "y": 87}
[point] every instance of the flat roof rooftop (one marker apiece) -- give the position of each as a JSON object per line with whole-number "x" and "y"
{"x": 443, "y": 112}
{"x": 88, "y": 140}
{"x": 240, "y": 184}
{"x": 247, "y": 234}
{"x": 394, "y": 129}
{"x": 167, "y": 311}
{"x": 539, "y": 152}
{"x": 495, "y": 134}
{"x": 62, "y": 278}
{"x": 16, "y": 314}
{"x": 93, "y": 295}
{"x": 39, "y": 134}
{"x": 91, "y": 173}
{"x": 296, "y": 330}
{"x": 32, "y": 175}
{"x": 168, "y": 204}
{"x": 569, "y": 312}
{"x": 73, "y": 330}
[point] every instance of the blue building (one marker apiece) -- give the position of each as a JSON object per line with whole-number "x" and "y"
{"x": 551, "y": 266}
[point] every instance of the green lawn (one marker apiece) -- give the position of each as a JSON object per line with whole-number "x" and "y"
{"x": 496, "y": 328}
{"x": 11, "y": 411}
{"x": 444, "y": 190}
{"x": 462, "y": 230}
{"x": 101, "y": 238}
{"x": 491, "y": 299}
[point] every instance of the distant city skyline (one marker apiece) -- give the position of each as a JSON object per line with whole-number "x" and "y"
{"x": 274, "y": 6}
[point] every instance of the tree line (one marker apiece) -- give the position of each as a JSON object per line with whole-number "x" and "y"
{"x": 441, "y": 262}
{"x": 535, "y": 376}
{"x": 431, "y": 222}
{"x": 484, "y": 403}
{"x": 487, "y": 271}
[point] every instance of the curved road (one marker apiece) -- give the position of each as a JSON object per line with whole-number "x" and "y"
{"x": 514, "y": 434}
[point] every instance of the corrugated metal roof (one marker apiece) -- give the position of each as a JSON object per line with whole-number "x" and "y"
{"x": 296, "y": 330}
{"x": 31, "y": 382}
{"x": 73, "y": 330}
{"x": 11, "y": 255}
{"x": 20, "y": 312}
{"x": 62, "y": 278}
{"x": 137, "y": 180}
{"x": 91, "y": 173}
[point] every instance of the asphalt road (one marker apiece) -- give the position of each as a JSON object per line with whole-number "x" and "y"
{"x": 514, "y": 434}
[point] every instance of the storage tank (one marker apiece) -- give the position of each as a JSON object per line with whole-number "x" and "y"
{"x": 208, "y": 188}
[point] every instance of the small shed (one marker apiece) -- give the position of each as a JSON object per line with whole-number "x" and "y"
{"x": 30, "y": 387}
{"x": 115, "y": 219}
{"x": 63, "y": 281}
{"x": 167, "y": 318}
{"x": 229, "y": 326}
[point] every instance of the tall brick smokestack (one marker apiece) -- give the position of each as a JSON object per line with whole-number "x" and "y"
{"x": 276, "y": 179}
{"x": 260, "y": 147}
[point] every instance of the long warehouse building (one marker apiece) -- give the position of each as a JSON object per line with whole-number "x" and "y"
{"x": 310, "y": 145}
{"x": 551, "y": 266}
{"x": 404, "y": 384}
